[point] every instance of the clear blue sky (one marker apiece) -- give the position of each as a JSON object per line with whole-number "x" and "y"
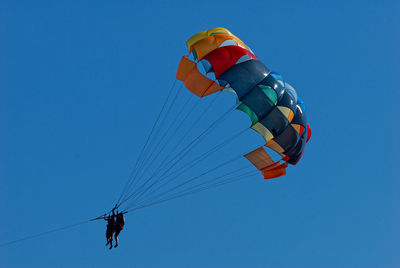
{"x": 81, "y": 83}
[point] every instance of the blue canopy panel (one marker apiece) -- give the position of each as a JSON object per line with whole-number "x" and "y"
{"x": 287, "y": 100}
{"x": 244, "y": 76}
{"x": 275, "y": 81}
{"x": 299, "y": 117}
{"x": 288, "y": 139}
{"x": 259, "y": 102}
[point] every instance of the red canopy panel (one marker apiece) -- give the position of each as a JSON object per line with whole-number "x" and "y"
{"x": 223, "y": 58}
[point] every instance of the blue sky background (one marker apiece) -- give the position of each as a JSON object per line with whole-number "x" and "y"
{"x": 82, "y": 82}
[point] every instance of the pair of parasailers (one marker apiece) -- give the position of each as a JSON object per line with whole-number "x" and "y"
{"x": 115, "y": 224}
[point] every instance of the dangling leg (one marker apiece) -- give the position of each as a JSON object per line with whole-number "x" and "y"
{"x": 116, "y": 237}
{"x": 110, "y": 239}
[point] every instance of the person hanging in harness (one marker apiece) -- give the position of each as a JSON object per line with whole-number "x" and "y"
{"x": 110, "y": 228}
{"x": 118, "y": 226}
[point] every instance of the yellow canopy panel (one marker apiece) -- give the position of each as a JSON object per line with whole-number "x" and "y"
{"x": 201, "y": 35}
{"x": 208, "y": 44}
{"x": 263, "y": 131}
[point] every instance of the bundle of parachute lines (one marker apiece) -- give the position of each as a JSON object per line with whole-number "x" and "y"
{"x": 217, "y": 62}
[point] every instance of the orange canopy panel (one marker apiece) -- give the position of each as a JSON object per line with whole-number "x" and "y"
{"x": 275, "y": 146}
{"x": 276, "y": 172}
{"x": 197, "y": 83}
{"x": 208, "y": 44}
{"x": 263, "y": 162}
{"x": 260, "y": 158}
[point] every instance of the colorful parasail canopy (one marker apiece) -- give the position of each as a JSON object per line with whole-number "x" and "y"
{"x": 273, "y": 106}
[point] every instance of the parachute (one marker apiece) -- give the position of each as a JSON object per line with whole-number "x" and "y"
{"x": 273, "y": 106}
{"x": 218, "y": 61}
